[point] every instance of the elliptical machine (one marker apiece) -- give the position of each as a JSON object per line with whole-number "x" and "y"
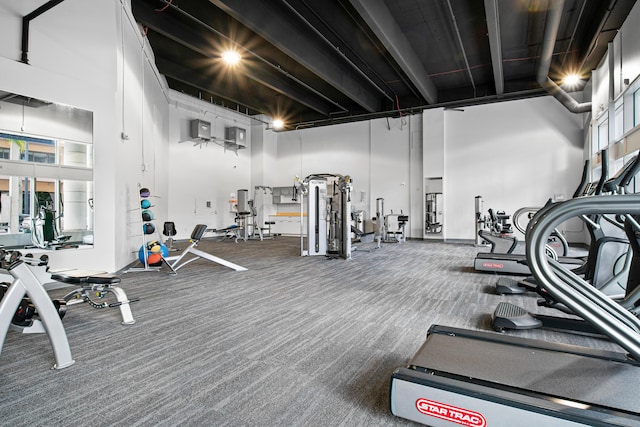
{"x": 494, "y": 229}
{"x": 620, "y": 287}
{"x": 45, "y": 233}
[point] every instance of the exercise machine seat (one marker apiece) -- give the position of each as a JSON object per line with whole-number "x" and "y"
{"x": 169, "y": 229}
{"x": 198, "y": 232}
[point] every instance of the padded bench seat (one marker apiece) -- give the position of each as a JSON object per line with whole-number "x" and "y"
{"x": 96, "y": 283}
{"x": 79, "y": 277}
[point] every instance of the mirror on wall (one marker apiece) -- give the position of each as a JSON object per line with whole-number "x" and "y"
{"x": 46, "y": 174}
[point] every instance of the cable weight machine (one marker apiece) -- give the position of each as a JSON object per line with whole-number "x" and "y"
{"x": 327, "y": 198}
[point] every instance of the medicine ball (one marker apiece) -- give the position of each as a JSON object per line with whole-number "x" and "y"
{"x": 144, "y": 192}
{"x": 144, "y": 203}
{"x": 154, "y": 260}
{"x": 153, "y": 246}
{"x": 148, "y": 228}
{"x": 154, "y": 254}
{"x": 147, "y": 215}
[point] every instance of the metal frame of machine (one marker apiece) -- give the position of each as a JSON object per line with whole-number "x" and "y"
{"x": 472, "y": 378}
{"x": 328, "y": 212}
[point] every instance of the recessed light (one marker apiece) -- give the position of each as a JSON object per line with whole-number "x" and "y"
{"x": 231, "y": 57}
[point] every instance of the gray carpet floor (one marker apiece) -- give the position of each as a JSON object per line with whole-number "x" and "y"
{"x": 293, "y": 341}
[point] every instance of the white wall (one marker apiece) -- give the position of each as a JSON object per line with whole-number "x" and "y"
{"x": 600, "y": 79}
{"x": 264, "y": 151}
{"x": 141, "y": 137}
{"x": 628, "y": 38}
{"x": 61, "y": 63}
{"x": 91, "y": 54}
{"x": 204, "y": 172}
{"x": 49, "y": 121}
{"x": 375, "y": 153}
{"x": 513, "y": 154}
{"x": 341, "y": 149}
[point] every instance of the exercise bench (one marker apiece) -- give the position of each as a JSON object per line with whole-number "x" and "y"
{"x": 176, "y": 263}
{"x": 99, "y": 285}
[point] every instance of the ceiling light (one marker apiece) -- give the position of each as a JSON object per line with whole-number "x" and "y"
{"x": 571, "y": 80}
{"x": 278, "y": 124}
{"x": 231, "y": 57}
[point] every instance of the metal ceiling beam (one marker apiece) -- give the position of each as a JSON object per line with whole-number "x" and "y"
{"x": 380, "y": 20}
{"x": 188, "y": 37}
{"x": 597, "y": 36}
{"x": 493, "y": 25}
{"x": 464, "y": 53}
{"x": 285, "y": 30}
{"x": 342, "y": 43}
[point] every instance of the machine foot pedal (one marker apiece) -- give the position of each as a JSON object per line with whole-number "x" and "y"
{"x": 509, "y": 286}
{"x": 510, "y": 316}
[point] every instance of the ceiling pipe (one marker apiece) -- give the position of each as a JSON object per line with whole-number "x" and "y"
{"x": 25, "y": 26}
{"x": 548, "y": 44}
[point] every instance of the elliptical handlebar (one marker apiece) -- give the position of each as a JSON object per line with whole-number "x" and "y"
{"x": 584, "y": 180}
{"x": 622, "y": 179}
{"x": 604, "y": 314}
{"x": 633, "y": 170}
{"x": 604, "y": 175}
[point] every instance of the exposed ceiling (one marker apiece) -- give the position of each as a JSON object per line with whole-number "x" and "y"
{"x": 322, "y": 62}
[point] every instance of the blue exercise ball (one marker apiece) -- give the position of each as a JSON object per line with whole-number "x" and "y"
{"x": 141, "y": 254}
{"x": 144, "y": 203}
{"x": 164, "y": 250}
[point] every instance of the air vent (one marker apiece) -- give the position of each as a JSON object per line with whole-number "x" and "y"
{"x": 235, "y": 136}
{"x": 200, "y": 130}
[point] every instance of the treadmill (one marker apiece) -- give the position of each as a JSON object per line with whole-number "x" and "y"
{"x": 515, "y": 264}
{"x": 474, "y": 378}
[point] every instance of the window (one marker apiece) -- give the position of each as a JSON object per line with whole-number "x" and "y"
{"x": 603, "y": 135}
{"x": 636, "y": 108}
{"x": 44, "y": 177}
{"x": 618, "y": 120}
